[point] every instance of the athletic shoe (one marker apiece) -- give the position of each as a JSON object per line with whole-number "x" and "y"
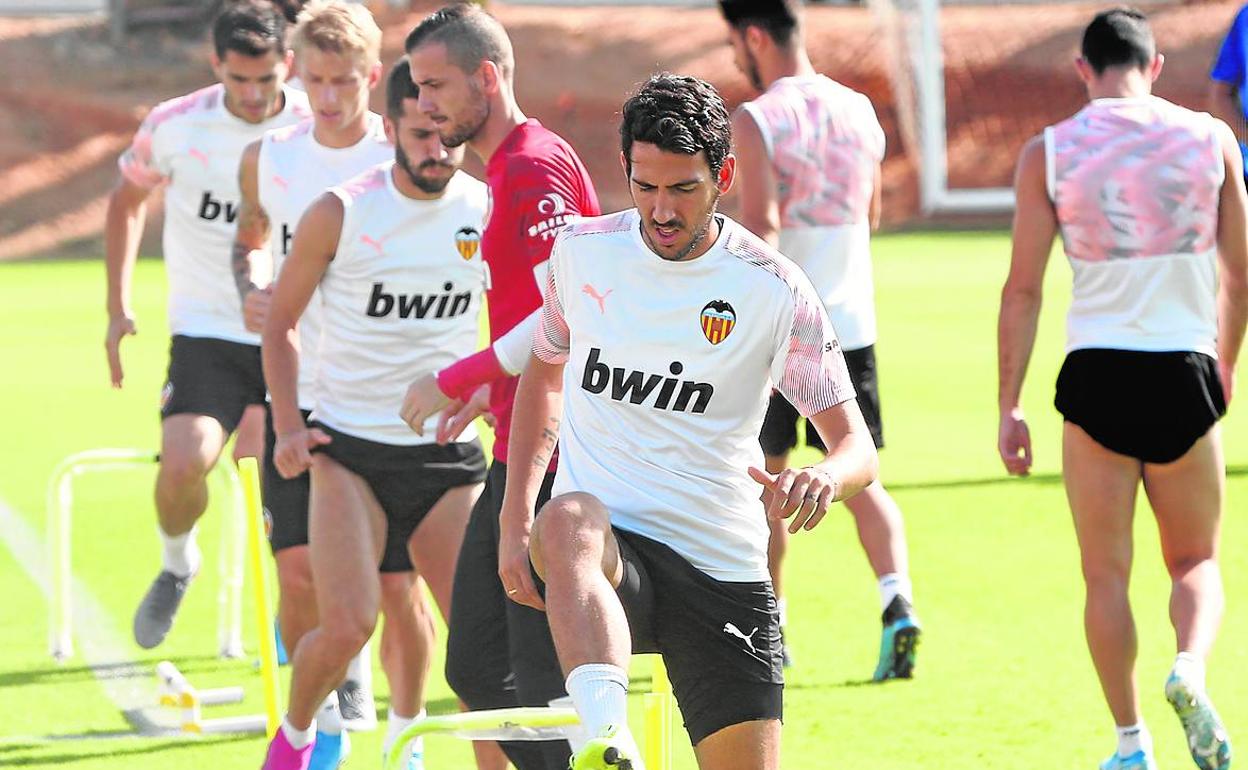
{"x": 283, "y": 756}
{"x": 898, "y": 641}
{"x": 604, "y": 753}
{"x": 330, "y": 751}
{"x": 784, "y": 650}
{"x": 355, "y": 702}
{"x": 154, "y": 617}
{"x": 415, "y": 760}
{"x": 1206, "y": 735}
{"x": 1140, "y": 760}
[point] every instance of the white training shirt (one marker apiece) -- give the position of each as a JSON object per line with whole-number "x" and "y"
{"x": 824, "y": 143}
{"x": 669, "y": 367}
{"x": 194, "y": 143}
{"x": 1136, "y": 184}
{"x": 293, "y": 170}
{"x": 401, "y": 298}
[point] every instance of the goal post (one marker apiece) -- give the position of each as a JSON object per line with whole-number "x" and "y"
{"x": 916, "y": 68}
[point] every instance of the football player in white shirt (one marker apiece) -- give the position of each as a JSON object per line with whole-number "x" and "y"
{"x": 808, "y": 164}
{"x": 191, "y": 145}
{"x": 394, "y": 254}
{"x": 664, "y": 330}
{"x": 337, "y": 50}
{"x": 1150, "y": 202}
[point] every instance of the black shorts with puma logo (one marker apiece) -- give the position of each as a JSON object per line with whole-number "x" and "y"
{"x": 720, "y": 641}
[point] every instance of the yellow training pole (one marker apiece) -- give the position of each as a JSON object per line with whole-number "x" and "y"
{"x": 249, "y": 472}
{"x": 657, "y": 707}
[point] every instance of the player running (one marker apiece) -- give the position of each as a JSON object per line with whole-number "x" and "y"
{"x": 1150, "y": 203}
{"x": 395, "y": 254}
{"x": 463, "y": 62}
{"x": 808, "y": 167}
{"x": 653, "y": 540}
{"x": 192, "y": 145}
{"x": 337, "y": 49}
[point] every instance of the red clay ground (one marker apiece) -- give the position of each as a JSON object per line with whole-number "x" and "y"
{"x": 68, "y": 103}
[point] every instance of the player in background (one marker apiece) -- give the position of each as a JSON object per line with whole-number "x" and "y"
{"x": 808, "y": 169}
{"x": 1150, "y": 203}
{"x": 653, "y": 540}
{"x": 337, "y": 49}
{"x": 394, "y": 254}
{"x": 463, "y": 62}
{"x": 1229, "y": 77}
{"x": 192, "y": 145}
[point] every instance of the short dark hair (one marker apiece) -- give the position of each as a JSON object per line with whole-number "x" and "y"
{"x": 1118, "y": 37}
{"x": 399, "y": 87}
{"x": 780, "y": 19}
{"x": 679, "y": 114}
{"x": 470, "y": 35}
{"x": 249, "y": 27}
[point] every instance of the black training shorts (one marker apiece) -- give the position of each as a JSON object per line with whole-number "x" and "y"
{"x": 212, "y": 377}
{"x": 720, "y": 641}
{"x": 285, "y": 500}
{"x": 406, "y": 480}
{"x": 1150, "y": 406}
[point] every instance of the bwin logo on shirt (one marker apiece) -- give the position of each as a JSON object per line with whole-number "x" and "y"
{"x": 637, "y": 386}
{"x": 211, "y": 209}
{"x": 381, "y": 304}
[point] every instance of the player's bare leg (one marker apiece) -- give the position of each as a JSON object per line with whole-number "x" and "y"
{"x": 406, "y": 652}
{"x": 249, "y": 436}
{"x": 296, "y": 610}
{"x": 346, "y": 531}
{"x": 1186, "y": 498}
{"x": 1101, "y": 487}
{"x": 574, "y": 551}
{"x": 434, "y": 549}
{"x": 190, "y": 445}
{"x": 744, "y": 746}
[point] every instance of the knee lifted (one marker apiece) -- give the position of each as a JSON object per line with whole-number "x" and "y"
{"x": 567, "y": 515}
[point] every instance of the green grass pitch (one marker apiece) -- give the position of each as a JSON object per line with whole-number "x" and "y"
{"x": 1003, "y": 677}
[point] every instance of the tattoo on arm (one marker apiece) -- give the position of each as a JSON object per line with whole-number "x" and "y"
{"x": 253, "y": 227}
{"x": 550, "y": 440}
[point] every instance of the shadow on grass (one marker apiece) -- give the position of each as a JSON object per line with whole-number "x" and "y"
{"x": 1034, "y": 479}
{"x": 94, "y": 752}
{"x": 59, "y": 674}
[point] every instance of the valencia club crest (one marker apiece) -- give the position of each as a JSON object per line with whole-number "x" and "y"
{"x": 468, "y": 241}
{"x": 718, "y": 319}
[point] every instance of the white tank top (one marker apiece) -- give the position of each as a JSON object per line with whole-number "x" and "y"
{"x": 824, "y": 142}
{"x": 293, "y": 170}
{"x": 401, "y": 298}
{"x": 193, "y": 143}
{"x": 1136, "y": 185}
{"x": 669, "y": 366}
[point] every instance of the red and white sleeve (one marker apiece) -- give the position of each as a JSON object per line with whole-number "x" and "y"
{"x": 552, "y": 339}
{"x": 809, "y": 365}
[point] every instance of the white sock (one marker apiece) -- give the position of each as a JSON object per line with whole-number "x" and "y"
{"x": 600, "y": 694}
{"x": 1189, "y": 667}
{"x": 181, "y": 553}
{"x": 298, "y": 738}
{"x": 396, "y": 724}
{"x": 576, "y": 734}
{"x": 892, "y": 585}
{"x": 1133, "y": 738}
{"x": 782, "y": 606}
{"x": 329, "y": 718}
